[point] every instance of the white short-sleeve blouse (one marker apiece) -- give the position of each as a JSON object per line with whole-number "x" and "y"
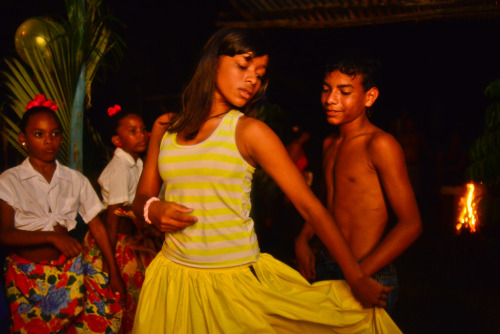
{"x": 119, "y": 179}
{"x": 39, "y": 205}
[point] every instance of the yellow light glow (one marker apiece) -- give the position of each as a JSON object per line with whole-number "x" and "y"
{"x": 40, "y": 41}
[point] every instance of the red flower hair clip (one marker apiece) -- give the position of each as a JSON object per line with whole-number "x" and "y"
{"x": 41, "y": 101}
{"x": 114, "y": 109}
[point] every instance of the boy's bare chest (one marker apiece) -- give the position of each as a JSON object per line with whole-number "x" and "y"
{"x": 349, "y": 163}
{"x": 349, "y": 153}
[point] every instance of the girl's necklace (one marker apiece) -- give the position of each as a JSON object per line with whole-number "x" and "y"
{"x": 222, "y": 113}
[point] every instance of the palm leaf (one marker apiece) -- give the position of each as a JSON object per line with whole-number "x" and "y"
{"x": 81, "y": 41}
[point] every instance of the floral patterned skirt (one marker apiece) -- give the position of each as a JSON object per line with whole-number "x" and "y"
{"x": 133, "y": 254}
{"x": 66, "y": 295}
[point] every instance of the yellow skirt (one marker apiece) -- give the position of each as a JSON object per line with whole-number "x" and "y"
{"x": 266, "y": 297}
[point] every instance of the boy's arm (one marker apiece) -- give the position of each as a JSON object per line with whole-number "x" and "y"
{"x": 388, "y": 159}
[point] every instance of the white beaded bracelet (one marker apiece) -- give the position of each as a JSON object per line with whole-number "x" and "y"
{"x": 146, "y": 208}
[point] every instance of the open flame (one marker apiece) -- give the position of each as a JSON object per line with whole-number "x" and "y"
{"x": 467, "y": 207}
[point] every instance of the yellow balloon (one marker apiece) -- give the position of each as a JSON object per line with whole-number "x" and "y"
{"x": 33, "y": 36}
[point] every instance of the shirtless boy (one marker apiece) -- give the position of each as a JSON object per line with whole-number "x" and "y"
{"x": 361, "y": 165}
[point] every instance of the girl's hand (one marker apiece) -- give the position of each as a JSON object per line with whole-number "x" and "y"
{"x": 160, "y": 126}
{"x": 67, "y": 245}
{"x": 369, "y": 292}
{"x": 117, "y": 285}
{"x": 170, "y": 216}
{"x": 306, "y": 261}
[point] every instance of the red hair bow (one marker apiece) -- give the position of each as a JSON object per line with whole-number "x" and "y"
{"x": 114, "y": 109}
{"x": 41, "y": 101}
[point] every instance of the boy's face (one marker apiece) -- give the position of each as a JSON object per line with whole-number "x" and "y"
{"x": 344, "y": 99}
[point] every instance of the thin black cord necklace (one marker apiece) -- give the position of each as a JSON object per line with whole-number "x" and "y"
{"x": 191, "y": 136}
{"x": 222, "y": 113}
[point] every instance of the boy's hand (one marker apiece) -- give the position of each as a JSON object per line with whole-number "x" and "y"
{"x": 369, "y": 292}
{"x": 67, "y": 245}
{"x": 170, "y": 216}
{"x": 306, "y": 261}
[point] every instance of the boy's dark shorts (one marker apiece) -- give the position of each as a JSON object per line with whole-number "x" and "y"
{"x": 327, "y": 269}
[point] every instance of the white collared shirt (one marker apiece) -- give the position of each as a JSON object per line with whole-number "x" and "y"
{"x": 39, "y": 205}
{"x": 120, "y": 178}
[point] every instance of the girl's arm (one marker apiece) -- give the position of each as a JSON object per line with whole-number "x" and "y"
{"x": 112, "y": 221}
{"x": 13, "y": 237}
{"x": 166, "y": 216}
{"x": 98, "y": 231}
{"x": 305, "y": 258}
{"x": 260, "y": 145}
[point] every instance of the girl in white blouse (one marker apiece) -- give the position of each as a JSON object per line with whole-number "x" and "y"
{"x": 47, "y": 282}
{"x": 135, "y": 245}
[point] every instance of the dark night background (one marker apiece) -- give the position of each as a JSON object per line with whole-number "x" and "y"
{"x": 435, "y": 70}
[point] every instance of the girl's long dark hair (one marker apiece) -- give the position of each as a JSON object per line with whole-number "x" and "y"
{"x": 197, "y": 98}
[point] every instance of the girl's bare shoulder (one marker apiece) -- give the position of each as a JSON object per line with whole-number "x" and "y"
{"x": 249, "y": 126}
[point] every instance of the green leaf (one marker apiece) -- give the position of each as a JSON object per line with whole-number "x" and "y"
{"x": 492, "y": 91}
{"x": 85, "y": 38}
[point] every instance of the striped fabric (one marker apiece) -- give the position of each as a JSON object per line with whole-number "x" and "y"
{"x": 213, "y": 178}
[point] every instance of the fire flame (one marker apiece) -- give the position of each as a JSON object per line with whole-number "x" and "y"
{"x": 467, "y": 207}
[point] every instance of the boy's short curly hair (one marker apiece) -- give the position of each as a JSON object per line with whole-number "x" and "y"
{"x": 355, "y": 62}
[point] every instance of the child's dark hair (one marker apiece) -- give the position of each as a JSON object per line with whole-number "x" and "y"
{"x": 35, "y": 111}
{"x": 356, "y": 62}
{"x": 117, "y": 118}
{"x": 197, "y": 97}
{"x": 116, "y": 114}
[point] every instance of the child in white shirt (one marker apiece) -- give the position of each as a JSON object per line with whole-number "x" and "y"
{"x": 49, "y": 287}
{"x": 135, "y": 244}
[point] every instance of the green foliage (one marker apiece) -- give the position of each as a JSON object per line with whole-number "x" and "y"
{"x": 265, "y": 192}
{"x": 81, "y": 40}
{"x": 485, "y": 151}
{"x": 492, "y": 92}
{"x": 273, "y": 116}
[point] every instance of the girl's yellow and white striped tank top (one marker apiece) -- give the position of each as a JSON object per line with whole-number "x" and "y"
{"x": 212, "y": 178}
